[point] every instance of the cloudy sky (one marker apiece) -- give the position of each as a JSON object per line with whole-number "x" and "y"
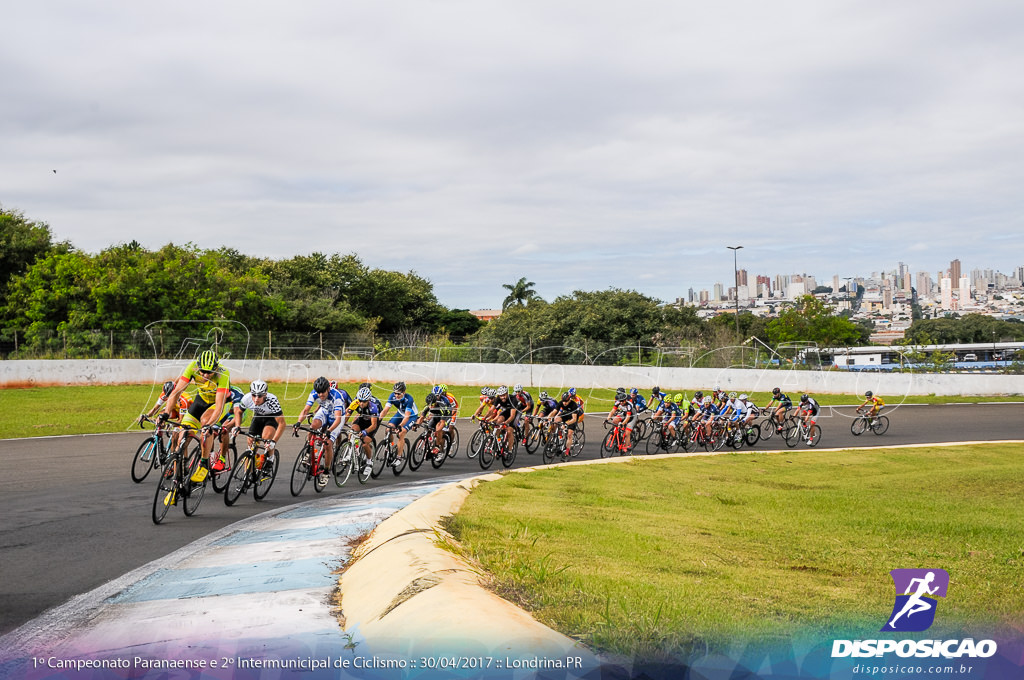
{"x": 578, "y": 144}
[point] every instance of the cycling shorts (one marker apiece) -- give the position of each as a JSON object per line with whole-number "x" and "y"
{"x": 260, "y": 423}
{"x": 397, "y": 419}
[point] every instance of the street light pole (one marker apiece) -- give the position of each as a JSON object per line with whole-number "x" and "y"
{"x": 736, "y": 284}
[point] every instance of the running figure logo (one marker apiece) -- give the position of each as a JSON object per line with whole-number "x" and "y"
{"x": 916, "y": 593}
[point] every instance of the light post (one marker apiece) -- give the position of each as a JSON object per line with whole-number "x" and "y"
{"x": 736, "y": 284}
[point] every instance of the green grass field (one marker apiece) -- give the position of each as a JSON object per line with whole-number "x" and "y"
{"x": 48, "y": 411}
{"x": 664, "y": 556}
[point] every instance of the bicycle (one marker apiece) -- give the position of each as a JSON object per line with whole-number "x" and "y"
{"x": 222, "y": 477}
{"x": 154, "y": 451}
{"x": 386, "y": 453}
{"x": 661, "y": 441}
{"x": 497, "y": 444}
{"x": 176, "y": 477}
{"x": 426, "y": 446}
{"x": 864, "y": 422}
{"x": 349, "y": 459}
{"x": 310, "y": 464}
{"x": 615, "y": 441}
{"x": 796, "y": 429}
{"x": 555, "y": 443}
{"x": 255, "y": 468}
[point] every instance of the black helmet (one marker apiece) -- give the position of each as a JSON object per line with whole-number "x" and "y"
{"x": 803, "y": 398}
{"x": 656, "y": 391}
{"x": 364, "y": 384}
{"x": 620, "y": 394}
{"x": 699, "y": 394}
{"x": 868, "y": 393}
{"x": 168, "y": 387}
{"x": 399, "y": 386}
{"x": 776, "y": 391}
{"x": 321, "y": 384}
{"x": 431, "y": 398}
{"x": 566, "y": 396}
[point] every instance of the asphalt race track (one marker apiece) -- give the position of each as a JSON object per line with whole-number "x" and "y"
{"x": 71, "y": 519}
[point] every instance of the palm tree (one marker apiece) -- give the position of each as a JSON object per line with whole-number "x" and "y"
{"x": 519, "y": 294}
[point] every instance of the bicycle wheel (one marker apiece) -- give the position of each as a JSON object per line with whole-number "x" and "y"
{"x": 265, "y": 477}
{"x": 551, "y": 448}
{"x": 509, "y": 452}
{"x": 194, "y": 491}
{"x": 221, "y": 479}
{"x": 791, "y": 432}
{"x": 880, "y": 425}
{"x": 342, "y": 464}
{"x": 319, "y": 468}
{"x": 453, "y": 448}
{"x": 397, "y": 469}
{"x": 301, "y": 471}
{"x": 858, "y": 426}
{"x": 143, "y": 461}
{"x": 579, "y": 438}
{"x": 752, "y": 434}
{"x": 813, "y": 435}
{"x": 487, "y": 452}
{"x": 608, "y": 445}
{"x": 438, "y": 459}
{"x": 418, "y": 452}
{"x": 380, "y": 458}
{"x": 532, "y": 442}
{"x": 365, "y": 466}
{"x": 767, "y": 428}
{"x": 656, "y": 443}
{"x": 166, "y": 491}
{"x": 239, "y": 479}
{"x": 475, "y": 442}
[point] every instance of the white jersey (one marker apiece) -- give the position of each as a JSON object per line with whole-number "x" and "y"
{"x": 270, "y": 406}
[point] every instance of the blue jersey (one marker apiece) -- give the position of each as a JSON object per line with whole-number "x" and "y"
{"x": 405, "y": 406}
{"x": 336, "y": 400}
{"x": 640, "y": 403}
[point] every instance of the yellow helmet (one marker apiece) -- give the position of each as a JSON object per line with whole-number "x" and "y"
{"x": 208, "y": 361}
{"x": 678, "y": 399}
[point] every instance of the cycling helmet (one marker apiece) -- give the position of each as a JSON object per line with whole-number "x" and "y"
{"x": 572, "y": 391}
{"x": 544, "y": 395}
{"x": 717, "y": 388}
{"x": 743, "y": 397}
{"x": 804, "y": 398}
{"x": 334, "y": 384}
{"x": 620, "y": 394}
{"x": 399, "y": 386}
{"x": 707, "y": 400}
{"x": 364, "y": 384}
{"x": 566, "y": 396}
{"x": 257, "y": 388}
{"x": 656, "y": 391}
{"x": 502, "y": 391}
{"x": 444, "y": 388}
{"x": 518, "y": 388}
{"x": 208, "y": 361}
{"x": 633, "y": 392}
{"x": 484, "y": 391}
{"x": 868, "y": 394}
{"x": 698, "y": 395}
{"x": 678, "y": 399}
{"x": 363, "y": 394}
{"x": 321, "y": 385}
{"x": 732, "y": 395}
{"x": 669, "y": 399}
{"x": 491, "y": 392}
{"x": 437, "y": 390}
{"x": 168, "y": 387}
{"x": 430, "y": 399}
{"x": 776, "y": 391}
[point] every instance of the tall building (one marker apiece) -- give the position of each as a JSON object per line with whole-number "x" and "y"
{"x": 691, "y": 297}
{"x": 887, "y": 297}
{"x": 1020, "y": 275}
{"x": 704, "y": 296}
{"x": 947, "y": 293}
{"x": 718, "y": 293}
{"x": 924, "y": 284}
{"x": 954, "y": 270}
{"x": 767, "y": 283}
{"x": 907, "y": 282}
{"x": 965, "y": 291}
{"x": 835, "y": 284}
{"x": 741, "y": 277}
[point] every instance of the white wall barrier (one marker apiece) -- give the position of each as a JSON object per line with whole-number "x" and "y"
{"x": 300, "y": 374}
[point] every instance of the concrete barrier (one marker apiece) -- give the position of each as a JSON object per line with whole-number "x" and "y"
{"x": 22, "y": 373}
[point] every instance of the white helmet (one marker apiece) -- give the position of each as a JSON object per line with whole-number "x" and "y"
{"x": 518, "y": 388}
{"x": 257, "y": 388}
{"x": 363, "y": 394}
{"x": 743, "y": 397}
{"x": 707, "y": 400}
{"x": 502, "y": 390}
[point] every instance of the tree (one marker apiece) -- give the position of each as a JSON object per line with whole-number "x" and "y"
{"x": 21, "y": 243}
{"x": 519, "y": 294}
{"x": 810, "y": 320}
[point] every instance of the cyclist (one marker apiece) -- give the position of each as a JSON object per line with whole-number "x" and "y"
{"x": 213, "y": 387}
{"x": 267, "y": 416}
{"x": 184, "y": 401}
{"x": 781, "y": 403}
{"x": 404, "y": 418}
{"x": 809, "y": 408}
{"x": 623, "y": 413}
{"x": 656, "y": 396}
{"x": 569, "y": 412}
{"x": 366, "y": 418}
{"x": 522, "y": 401}
{"x": 503, "y": 412}
{"x": 707, "y": 414}
{"x": 747, "y": 410}
{"x": 455, "y": 413}
{"x": 328, "y": 406}
{"x": 436, "y": 412}
{"x": 876, "y": 404}
{"x": 486, "y": 401}
{"x": 673, "y": 413}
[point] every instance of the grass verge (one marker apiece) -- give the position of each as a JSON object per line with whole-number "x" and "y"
{"x": 663, "y": 557}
